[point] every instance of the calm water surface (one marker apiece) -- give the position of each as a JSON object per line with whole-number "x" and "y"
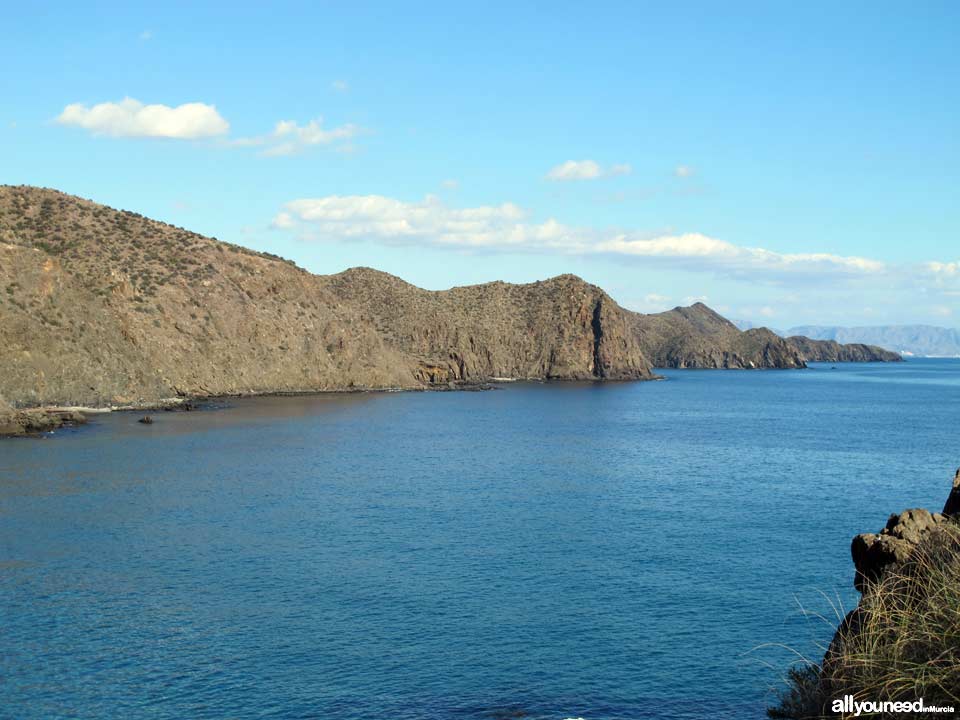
{"x": 541, "y": 551}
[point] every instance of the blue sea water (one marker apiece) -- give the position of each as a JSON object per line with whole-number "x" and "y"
{"x": 597, "y": 551}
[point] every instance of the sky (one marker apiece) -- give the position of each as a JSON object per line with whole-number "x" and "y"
{"x": 786, "y": 163}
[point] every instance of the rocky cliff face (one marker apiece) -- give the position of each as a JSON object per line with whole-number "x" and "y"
{"x": 698, "y": 337}
{"x": 562, "y": 328}
{"x": 832, "y": 351}
{"x": 101, "y": 307}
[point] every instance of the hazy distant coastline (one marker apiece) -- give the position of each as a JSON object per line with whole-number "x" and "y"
{"x": 912, "y": 340}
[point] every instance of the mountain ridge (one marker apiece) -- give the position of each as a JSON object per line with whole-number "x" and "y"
{"x": 104, "y": 307}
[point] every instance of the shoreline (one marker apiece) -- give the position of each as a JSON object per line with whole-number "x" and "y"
{"x": 40, "y": 420}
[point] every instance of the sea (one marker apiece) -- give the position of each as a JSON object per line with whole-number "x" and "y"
{"x": 605, "y": 551}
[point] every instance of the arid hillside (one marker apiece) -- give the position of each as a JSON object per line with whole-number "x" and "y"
{"x": 103, "y": 307}
{"x": 698, "y": 337}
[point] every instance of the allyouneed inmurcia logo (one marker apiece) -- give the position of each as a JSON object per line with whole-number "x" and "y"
{"x": 848, "y": 706}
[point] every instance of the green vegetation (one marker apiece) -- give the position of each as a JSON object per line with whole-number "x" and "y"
{"x": 901, "y": 644}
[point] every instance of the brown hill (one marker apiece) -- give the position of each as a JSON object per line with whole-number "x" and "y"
{"x": 104, "y": 307}
{"x": 832, "y": 351}
{"x": 101, "y": 307}
{"x": 698, "y": 337}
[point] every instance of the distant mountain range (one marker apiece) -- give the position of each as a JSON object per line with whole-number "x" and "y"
{"x": 923, "y": 340}
{"x": 918, "y": 340}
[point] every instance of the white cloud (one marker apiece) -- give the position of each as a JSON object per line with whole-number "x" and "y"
{"x": 340, "y": 86}
{"x": 943, "y": 272}
{"x": 288, "y": 138}
{"x": 507, "y": 227}
{"x": 586, "y": 170}
{"x": 146, "y": 35}
{"x": 450, "y": 184}
{"x": 131, "y": 118}
{"x": 283, "y": 221}
{"x": 649, "y": 303}
{"x": 683, "y": 171}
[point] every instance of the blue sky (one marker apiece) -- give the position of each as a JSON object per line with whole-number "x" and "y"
{"x": 788, "y": 163}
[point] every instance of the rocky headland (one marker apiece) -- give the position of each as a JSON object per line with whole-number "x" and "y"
{"x": 104, "y": 308}
{"x": 832, "y": 351}
{"x": 698, "y": 337}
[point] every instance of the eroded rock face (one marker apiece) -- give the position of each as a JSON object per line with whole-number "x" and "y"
{"x": 874, "y": 554}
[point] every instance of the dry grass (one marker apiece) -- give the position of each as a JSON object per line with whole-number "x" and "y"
{"x": 901, "y": 644}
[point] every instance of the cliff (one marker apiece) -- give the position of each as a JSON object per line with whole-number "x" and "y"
{"x": 832, "y": 351}
{"x": 101, "y": 307}
{"x": 562, "y": 328}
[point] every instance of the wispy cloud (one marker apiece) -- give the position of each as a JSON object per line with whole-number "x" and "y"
{"x": 289, "y": 138}
{"x": 684, "y": 171}
{"x": 585, "y": 170}
{"x": 340, "y": 86}
{"x": 506, "y": 227}
{"x": 146, "y": 35}
{"x": 131, "y": 118}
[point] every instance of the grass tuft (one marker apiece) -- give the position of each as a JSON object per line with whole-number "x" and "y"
{"x": 902, "y": 643}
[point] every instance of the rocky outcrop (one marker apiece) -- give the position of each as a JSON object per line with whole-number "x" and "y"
{"x": 698, "y": 337}
{"x": 34, "y": 421}
{"x": 901, "y": 641}
{"x": 101, "y": 307}
{"x": 832, "y": 351}
{"x": 875, "y": 554}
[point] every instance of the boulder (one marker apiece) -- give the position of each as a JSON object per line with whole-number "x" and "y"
{"x": 874, "y": 554}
